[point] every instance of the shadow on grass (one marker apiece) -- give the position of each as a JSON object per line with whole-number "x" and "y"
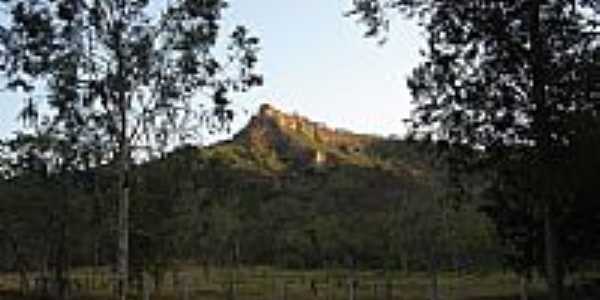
{"x": 543, "y": 296}
{"x": 509, "y": 297}
{"x": 15, "y": 295}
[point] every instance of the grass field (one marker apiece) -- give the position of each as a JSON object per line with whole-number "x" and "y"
{"x": 262, "y": 283}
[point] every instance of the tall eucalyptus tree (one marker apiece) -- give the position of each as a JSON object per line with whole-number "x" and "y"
{"x": 135, "y": 73}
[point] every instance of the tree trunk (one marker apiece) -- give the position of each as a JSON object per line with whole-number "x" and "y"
{"x": 541, "y": 127}
{"x": 524, "y": 287}
{"x": 405, "y": 262}
{"x": 433, "y": 275}
{"x": 20, "y": 265}
{"x": 23, "y": 280}
{"x": 61, "y": 280}
{"x": 123, "y": 224}
{"x": 352, "y": 288}
{"x": 553, "y": 267}
{"x": 124, "y": 152}
{"x": 97, "y": 225}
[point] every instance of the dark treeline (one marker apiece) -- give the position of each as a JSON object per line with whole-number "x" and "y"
{"x": 194, "y": 206}
{"x": 223, "y": 207}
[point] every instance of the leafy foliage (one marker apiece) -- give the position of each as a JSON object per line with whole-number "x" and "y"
{"x": 509, "y": 81}
{"x": 222, "y": 206}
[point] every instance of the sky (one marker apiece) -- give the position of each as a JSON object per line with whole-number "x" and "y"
{"x": 316, "y": 63}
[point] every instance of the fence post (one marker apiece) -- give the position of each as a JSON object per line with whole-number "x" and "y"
{"x": 273, "y": 288}
{"x": 186, "y": 287}
{"x": 147, "y": 286}
{"x": 182, "y": 283}
{"x": 284, "y": 290}
{"x": 388, "y": 289}
{"x": 175, "y": 281}
{"x": 375, "y": 294}
{"x": 352, "y": 289}
{"x": 313, "y": 287}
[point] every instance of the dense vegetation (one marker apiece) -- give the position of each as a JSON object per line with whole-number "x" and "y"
{"x": 517, "y": 80}
{"x": 251, "y": 204}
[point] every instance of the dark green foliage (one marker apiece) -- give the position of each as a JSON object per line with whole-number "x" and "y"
{"x": 120, "y": 77}
{"x": 343, "y": 214}
{"x": 510, "y": 79}
{"x": 90, "y": 57}
{"x": 199, "y": 205}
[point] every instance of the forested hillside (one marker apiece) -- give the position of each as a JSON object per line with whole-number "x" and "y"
{"x": 284, "y": 191}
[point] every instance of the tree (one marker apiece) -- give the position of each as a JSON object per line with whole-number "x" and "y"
{"x": 517, "y": 220}
{"x": 132, "y": 71}
{"x": 41, "y": 165}
{"x": 500, "y": 75}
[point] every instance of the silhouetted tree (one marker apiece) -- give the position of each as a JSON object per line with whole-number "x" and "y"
{"x": 498, "y": 75}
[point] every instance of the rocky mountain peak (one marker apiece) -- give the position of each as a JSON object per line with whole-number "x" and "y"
{"x": 294, "y": 123}
{"x": 298, "y": 136}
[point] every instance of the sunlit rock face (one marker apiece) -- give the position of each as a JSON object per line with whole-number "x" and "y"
{"x": 299, "y": 139}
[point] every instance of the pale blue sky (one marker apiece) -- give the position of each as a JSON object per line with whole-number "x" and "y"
{"x": 316, "y": 63}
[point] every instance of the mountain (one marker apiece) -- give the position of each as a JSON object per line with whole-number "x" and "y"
{"x": 292, "y": 191}
{"x": 284, "y": 191}
{"x": 275, "y": 142}
{"x": 287, "y": 155}
{"x": 310, "y": 142}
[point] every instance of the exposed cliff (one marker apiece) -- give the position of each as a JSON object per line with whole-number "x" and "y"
{"x": 301, "y": 140}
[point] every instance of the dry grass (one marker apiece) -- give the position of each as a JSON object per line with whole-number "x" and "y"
{"x": 263, "y": 283}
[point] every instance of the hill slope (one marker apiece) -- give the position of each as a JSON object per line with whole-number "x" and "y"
{"x": 275, "y": 142}
{"x": 292, "y": 190}
{"x": 283, "y": 191}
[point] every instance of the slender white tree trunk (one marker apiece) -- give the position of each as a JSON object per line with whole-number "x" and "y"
{"x": 123, "y": 252}
{"x": 123, "y": 256}
{"x": 125, "y": 157}
{"x": 524, "y": 287}
{"x": 123, "y": 224}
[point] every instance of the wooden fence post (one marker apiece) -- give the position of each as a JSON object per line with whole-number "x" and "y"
{"x": 352, "y": 289}
{"x": 375, "y": 291}
{"x": 186, "y": 287}
{"x": 284, "y": 290}
{"x": 388, "y": 289}
{"x": 273, "y": 288}
{"x": 313, "y": 287}
{"x": 147, "y": 286}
